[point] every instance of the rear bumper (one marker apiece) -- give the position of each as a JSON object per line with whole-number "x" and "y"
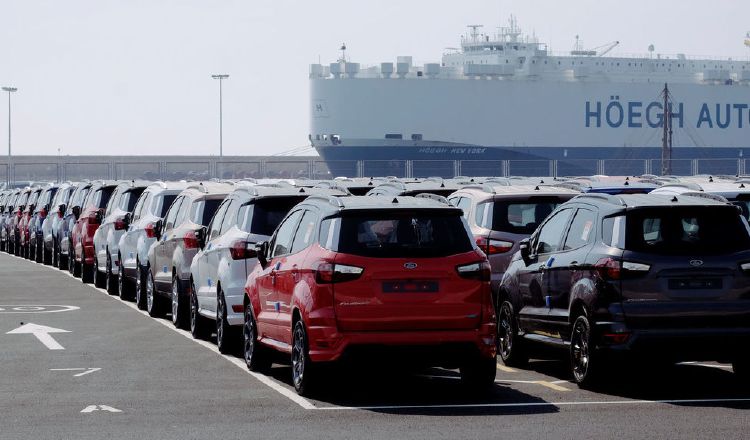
{"x": 718, "y": 344}
{"x": 440, "y": 347}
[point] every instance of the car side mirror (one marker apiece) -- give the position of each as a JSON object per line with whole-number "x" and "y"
{"x": 525, "y": 249}
{"x": 261, "y": 250}
{"x": 77, "y": 211}
{"x": 157, "y": 229}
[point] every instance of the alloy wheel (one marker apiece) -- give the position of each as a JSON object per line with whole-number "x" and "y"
{"x": 298, "y": 355}
{"x": 248, "y": 331}
{"x": 175, "y": 302}
{"x": 579, "y": 348}
{"x": 505, "y": 331}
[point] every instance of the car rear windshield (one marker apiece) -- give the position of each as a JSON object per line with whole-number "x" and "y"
{"x": 262, "y": 216}
{"x": 392, "y": 234}
{"x": 517, "y": 217}
{"x": 694, "y": 231}
{"x": 102, "y": 196}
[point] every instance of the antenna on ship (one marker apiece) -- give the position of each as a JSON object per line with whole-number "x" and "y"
{"x": 343, "y": 53}
{"x": 474, "y": 31}
{"x": 666, "y": 140}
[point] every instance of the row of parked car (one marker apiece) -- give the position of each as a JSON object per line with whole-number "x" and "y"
{"x": 443, "y": 272}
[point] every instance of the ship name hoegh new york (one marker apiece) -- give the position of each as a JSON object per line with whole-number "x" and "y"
{"x": 638, "y": 114}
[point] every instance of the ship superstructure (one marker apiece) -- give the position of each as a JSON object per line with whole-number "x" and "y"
{"x": 507, "y": 96}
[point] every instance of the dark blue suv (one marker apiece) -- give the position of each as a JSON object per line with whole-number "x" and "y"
{"x": 604, "y": 275}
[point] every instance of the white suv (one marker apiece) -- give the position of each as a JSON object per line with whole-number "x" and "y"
{"x": 249, "y": 215}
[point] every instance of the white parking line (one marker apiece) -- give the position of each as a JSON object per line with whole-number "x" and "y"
{"x": 271, "y": 383}
{"x": 534, "y": 404}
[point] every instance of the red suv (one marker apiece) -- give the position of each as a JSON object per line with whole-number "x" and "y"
{"x": 400, "y": 275}
{"x": 88, "y": 219}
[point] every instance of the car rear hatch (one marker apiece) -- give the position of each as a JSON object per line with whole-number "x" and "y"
{"x": 408, "y": 271}
{"x": 682, "y": 268}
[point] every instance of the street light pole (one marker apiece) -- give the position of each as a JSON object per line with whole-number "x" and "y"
{"x": 9, "y": 90}
{"x": 220, "y": 77}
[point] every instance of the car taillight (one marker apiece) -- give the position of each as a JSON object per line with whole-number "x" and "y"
{"x": 242, "y": 250}
{"x": 150, "y": 230}
{"x": 120, "y": 224}
{"x": 93, "y": 218}
{"x": 492, "y": 247}
{"x": 190, "y": 240}
{"x": 327, "y": 273}
{"x": 60, "y": 213}
{"x": 43, "y": 213}
{"x": 480, "y": 271}
{"x": 611, "y": 269}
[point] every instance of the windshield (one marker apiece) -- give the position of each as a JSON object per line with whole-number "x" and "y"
{"x": 404, "y": 234}
{"x": 687, "y": 231}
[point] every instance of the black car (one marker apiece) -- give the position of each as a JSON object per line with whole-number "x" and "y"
{"x": 663, "y": 275}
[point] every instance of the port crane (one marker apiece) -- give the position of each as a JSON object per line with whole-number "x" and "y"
{"x": 598, "y": 51}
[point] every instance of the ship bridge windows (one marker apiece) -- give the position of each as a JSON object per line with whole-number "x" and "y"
{"x": 394, "y": 136}
{"x": 416, "y": 137}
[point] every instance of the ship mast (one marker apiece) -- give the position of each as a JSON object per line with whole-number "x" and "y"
{"x": 666, "y": 140}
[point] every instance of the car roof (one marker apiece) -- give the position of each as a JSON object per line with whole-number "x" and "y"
{"x": 380, "y": 202}
{"x": 282, "y": 191}
{"x": 519, "y": 190}
{"x": 632, "y": 201}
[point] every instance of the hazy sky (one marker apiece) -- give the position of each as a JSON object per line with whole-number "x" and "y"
{"x": 133, "y": 76}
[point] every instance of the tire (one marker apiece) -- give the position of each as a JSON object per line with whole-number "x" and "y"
{"x": 110, "y": 283}
{"x": 88, "y": 272}
{"x": 303, "y": 370}
{"x": 479, "y": 374}
{"x": 100, "y": 279}
{"x": 49, "y": 256}
{"x": 225, "y": 333}
{"x": 153, "y": 301}
{"x": 585, "y": 362}
{"x": 124, "y": 286}
{"x": 256, "y": 355}
{"x": 179, "y": 308}
{"x": 198, "y": 325}
{"x": 510, "y": 346}
{"x": 140, "y": 288}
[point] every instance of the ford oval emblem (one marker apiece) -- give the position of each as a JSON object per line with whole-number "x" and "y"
{"x": 410, "y": 265}
{"x": 696, "y": 263}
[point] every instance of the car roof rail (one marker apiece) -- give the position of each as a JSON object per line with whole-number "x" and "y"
{"x": 687, "y": 185}
{"x": 481, "y": 187}
{"x": 435, "y": 197}
{"x": 331, "y": 200}
{"x": 614, "y": 199}
{"x": 705, "y": 195}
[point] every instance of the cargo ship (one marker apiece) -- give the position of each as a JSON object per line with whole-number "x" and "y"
{"x": 506, "y": 100}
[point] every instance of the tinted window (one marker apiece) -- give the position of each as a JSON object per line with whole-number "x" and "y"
{"x": 172, "y": 213}
{"x": 687, "y": 231}
{"x": 582, "y": 229}
{"x": 465, "y": 204}
{"x": 305, "y": 232}
{"x": 162, "y": 204}
{"x": 215, "y": 228}
{"x": 263, "y": 216}
{"x": 101, "y": 197}
{"x": 230, "y": 217}
{"x": 142, "y": 201}
{"x": 282, "y": 243}
{"x": 203, "y": 210}
{"x": 129, "y": 199}
{"x": 551, "y": 234}
{"x": 520, "y": 217}
{"x": 403, "y": 234}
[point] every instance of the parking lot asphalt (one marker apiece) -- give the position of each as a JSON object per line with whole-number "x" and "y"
{"x": 81, "y": 364}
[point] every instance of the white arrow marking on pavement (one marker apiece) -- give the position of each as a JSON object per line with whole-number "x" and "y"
{"x": 92, "y": 408}
{"x": 42, "y": 333}
{"x": 85, "y": 370}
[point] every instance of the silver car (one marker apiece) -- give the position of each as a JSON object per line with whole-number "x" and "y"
{"x": 140, "y": 234}
{"x": 112, "y": 228}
